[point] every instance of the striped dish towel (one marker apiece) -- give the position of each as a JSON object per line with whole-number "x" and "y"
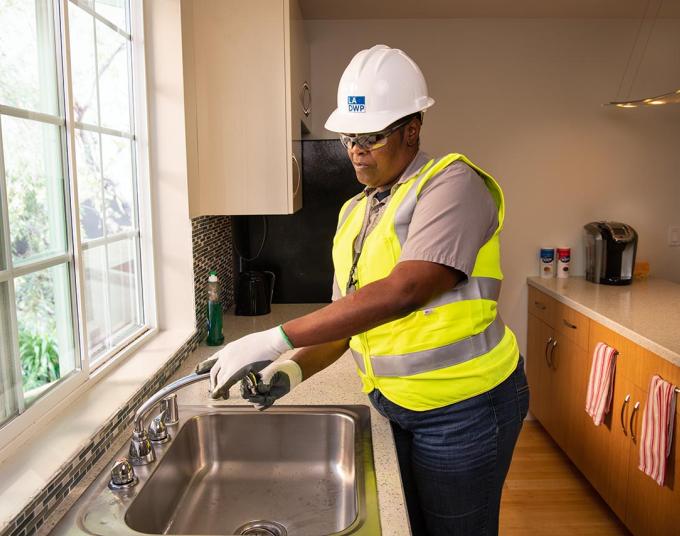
{"x": 656, "y": 435}
{"x": 601, "y": 382}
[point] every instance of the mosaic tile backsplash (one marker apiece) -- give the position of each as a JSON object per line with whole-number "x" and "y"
{"x": 212, "y": 242}
{"x": 212, "y": 250}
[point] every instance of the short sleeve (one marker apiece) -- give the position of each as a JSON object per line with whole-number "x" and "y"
{"x": 454, "y": 217}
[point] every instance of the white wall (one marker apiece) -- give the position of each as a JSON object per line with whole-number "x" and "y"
{"x": 522, "y": 98}
{"x": 168, "y": 165}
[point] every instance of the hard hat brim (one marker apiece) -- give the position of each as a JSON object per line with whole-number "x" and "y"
{"x": 360, "y": 123}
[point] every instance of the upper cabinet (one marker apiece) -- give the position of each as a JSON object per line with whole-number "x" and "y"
{"x": 247, "y": 103}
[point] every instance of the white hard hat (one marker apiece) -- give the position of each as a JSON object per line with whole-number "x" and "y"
{"x": 379, "y": 86}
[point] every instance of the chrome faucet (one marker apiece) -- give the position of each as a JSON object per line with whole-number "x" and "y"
{"x": 141, "y": 447}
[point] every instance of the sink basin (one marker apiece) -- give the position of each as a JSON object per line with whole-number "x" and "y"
{"x": 291, "y": 470}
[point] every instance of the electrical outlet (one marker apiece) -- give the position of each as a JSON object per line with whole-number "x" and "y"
{"x": 674, "y": 236}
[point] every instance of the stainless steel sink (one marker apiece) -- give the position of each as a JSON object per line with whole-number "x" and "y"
{"x": 291, "y": 470}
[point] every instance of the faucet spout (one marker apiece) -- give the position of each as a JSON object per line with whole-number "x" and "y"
{"x": 163, "y": 393}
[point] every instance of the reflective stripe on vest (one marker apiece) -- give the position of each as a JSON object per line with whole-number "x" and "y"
{"x": 427, "y": 360}
{"x": 475, "y": 288}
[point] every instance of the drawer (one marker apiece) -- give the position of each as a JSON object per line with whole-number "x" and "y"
{"x": 572, "y": 324}
{"x": 631, "y": 358}
{"x": 652, "y": 364}
{"x": 542, "y": 306}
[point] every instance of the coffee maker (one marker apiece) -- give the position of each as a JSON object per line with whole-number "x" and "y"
{"x": 610, "y": 252}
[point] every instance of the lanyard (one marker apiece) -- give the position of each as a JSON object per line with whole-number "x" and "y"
{"x": 356, "y": 251}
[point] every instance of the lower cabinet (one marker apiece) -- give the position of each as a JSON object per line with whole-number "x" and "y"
{"x": 559, "y": 349}
{"x": 650, "y": 508}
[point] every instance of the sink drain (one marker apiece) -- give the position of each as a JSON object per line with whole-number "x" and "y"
{"x": 262, "y": 528}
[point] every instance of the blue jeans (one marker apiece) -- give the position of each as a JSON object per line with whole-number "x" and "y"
{"x": 454, "y": 460}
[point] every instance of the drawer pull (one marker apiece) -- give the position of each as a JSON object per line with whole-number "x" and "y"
{"x": 540, "y": 305}
{"x": 632, "y": 417}
{"x": 545, "y": 352}
{"x": 623, "y": 409}
{"x": 552, "y": 349}
{"x": 569, "y": 324}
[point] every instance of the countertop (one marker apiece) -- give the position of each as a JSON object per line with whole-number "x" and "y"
{"x": 338, "y": 384}
{"x": 646, "y": 312}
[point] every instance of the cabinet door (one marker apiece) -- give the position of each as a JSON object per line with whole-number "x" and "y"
{"x": 300, "y": 73}
{"x": 298, "y": 98}
{"x": 236, "y": 71}
{"x": 539, "y": 337}
{"x": 569, "y": 384}
{"x": 650, "y": 508}
{"x": 606, "y": 448}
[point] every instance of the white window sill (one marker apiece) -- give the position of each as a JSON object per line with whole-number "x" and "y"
{"x": 29, "y": 467}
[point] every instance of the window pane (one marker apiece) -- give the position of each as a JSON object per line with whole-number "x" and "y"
{"x": 27, "y": 55}
{"x": 90, "y": 194}
{"x": 8, "y": 407}
{"x": 124, "y": 292}
{"x": 96, "y": 309}
{"x": 46, "y": 341}
{"x": 114, "y": 98}
{"x": 114, "y": 11}
{"x": 83, "y": 70}
{"x": 113, "y": 297}
{"x": 35, "y": 188}
{"x": 118, "y": 184}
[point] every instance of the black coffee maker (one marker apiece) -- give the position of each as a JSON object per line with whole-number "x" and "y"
{"x": 254, "y": 293}
{"x": 610, "y": 252}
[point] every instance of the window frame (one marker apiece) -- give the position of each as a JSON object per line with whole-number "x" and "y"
{"x": 85, "y": 376}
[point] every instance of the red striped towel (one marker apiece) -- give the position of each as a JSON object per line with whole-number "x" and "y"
{"x": 657, "y": 429}
{"x": 601, "y": 382}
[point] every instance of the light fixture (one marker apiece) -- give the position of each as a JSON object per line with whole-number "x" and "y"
{"x": 667, "y": 98}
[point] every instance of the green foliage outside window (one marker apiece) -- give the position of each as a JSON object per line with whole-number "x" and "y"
{"x": 39, "y": 359}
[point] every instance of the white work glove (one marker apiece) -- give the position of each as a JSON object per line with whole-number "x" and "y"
{"x": 275, "y": 381}
{"x": 251, "y": 353}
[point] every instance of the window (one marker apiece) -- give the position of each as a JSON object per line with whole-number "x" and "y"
{"x": 71, "y": 259}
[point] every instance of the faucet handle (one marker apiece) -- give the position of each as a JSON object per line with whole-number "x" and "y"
{"x": 122, "y": 475}
{"x": 141, "y": 449}
{"x": 158, "y": 432}
{"x": 169, "y": 406}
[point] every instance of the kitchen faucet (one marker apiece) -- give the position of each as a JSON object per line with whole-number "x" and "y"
{"x": 141, "y": 448}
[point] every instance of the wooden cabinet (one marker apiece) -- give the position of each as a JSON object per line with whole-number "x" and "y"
{"x": 650, "y": 508}
{"x": 247, "y": 98}
{"x": 560, "y": 344}
{"x": 556, "y": 361}
{"x": 540, "y": 337}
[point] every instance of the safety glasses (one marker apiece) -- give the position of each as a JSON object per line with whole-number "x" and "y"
{"x": 372, "y": 141}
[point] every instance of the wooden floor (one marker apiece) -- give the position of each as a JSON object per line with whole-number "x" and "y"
{"x": 545, "y": 494}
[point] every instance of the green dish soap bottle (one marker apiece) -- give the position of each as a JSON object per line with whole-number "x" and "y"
{"x": 215, "y": 336}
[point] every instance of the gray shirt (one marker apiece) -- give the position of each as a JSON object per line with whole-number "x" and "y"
{"x": 454, "y": 217}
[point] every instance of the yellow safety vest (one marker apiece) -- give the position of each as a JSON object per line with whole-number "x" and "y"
{"x": 454, "y": 347}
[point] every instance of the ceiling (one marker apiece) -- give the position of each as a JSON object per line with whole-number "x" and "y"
{"x": 434, "y": 9}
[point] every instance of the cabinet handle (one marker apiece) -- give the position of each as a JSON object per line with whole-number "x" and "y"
{"x": 630, "y": 423}
{"x": 552, "y": 349}
{"x": 299, "y": 175}
{"x": 306, "y": 99}
{"x": 623, "y": 409}
{"x": 569, "y": 324}
{"x": 540, "y": 305}
{"x": 545, "y": 351}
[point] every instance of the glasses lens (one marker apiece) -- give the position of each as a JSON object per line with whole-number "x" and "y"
{"x": 367, "y": 142}
{"x": 370, "y": 142}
